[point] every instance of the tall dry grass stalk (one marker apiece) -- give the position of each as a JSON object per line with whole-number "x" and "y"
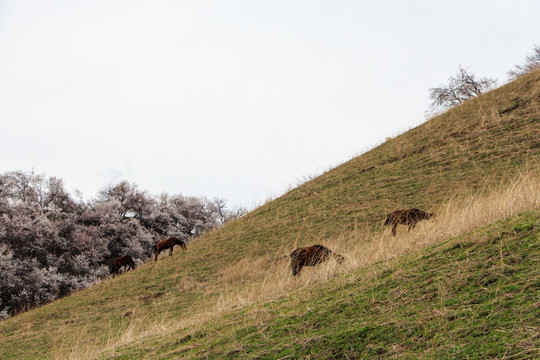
{"x": 253, "y": 281}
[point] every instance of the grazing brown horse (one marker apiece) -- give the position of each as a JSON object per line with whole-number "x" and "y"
{"x": 406, "y": 217}
{"x": 311, "y": 256}
{"x": 123, "y": 261}
{"x": 169, "y": 244}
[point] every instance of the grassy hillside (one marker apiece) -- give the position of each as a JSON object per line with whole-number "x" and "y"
{"x": 475, "y": 296}
{"x": 440, "y": 166}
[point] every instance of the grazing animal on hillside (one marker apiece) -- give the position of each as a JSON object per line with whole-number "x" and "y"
{"x": 311, "y": 256}
{"x": 169, "y": 244}
{"x": 123, "y": 261}
{"x": 406, "y": 217}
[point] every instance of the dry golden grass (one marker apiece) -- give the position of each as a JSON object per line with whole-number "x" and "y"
{"x": 252, "y": 281}
{"x": 362, "y": 248}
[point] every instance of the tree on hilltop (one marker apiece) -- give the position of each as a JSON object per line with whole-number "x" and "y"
{"x": 532, "y": 63}
{"x": 463, "y": 86}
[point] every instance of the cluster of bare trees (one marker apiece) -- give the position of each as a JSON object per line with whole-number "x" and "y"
{"x": 465, "y": 85}
{"x": 52, "y": 244}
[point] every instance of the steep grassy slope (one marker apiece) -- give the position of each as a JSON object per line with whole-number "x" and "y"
{"x": 463, "y": 152}
{"x": 475, "y": 296}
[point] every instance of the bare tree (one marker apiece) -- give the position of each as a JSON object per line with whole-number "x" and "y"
{"x": 532, "y": 63}
{"x": 18, "y": 185}
{"x": 463, "y": 86}
{"x": 226, "y": 214}
{"x": 135, "y": 203}
{"x": 221, "y": 206}
{"x": 236, "y": 212}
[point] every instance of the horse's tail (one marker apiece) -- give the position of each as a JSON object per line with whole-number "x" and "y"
{"x": 387, "y": 221}
{"x": 156, "y": 251}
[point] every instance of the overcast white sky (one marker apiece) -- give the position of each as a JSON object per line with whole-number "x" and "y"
{"x": 236, "y": 99}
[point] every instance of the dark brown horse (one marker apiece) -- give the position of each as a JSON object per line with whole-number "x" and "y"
{"x": 311, "y": 256}
{"x": 169, "y": 244}
{"x": 123, "y": 261}
{"x": 406, "y": 217}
